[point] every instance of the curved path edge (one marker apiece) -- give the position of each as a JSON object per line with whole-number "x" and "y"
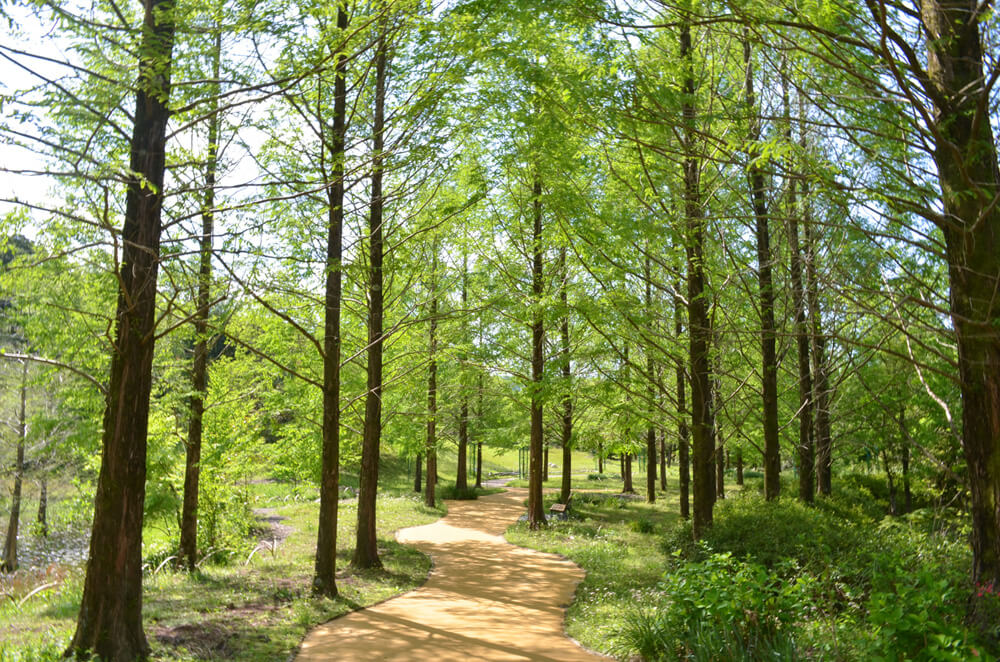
{"x": 484, "y": 599}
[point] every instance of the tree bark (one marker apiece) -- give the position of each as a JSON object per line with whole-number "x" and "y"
{"x": 739, "y": 466}
{"x": 417, "y": 481}
{"x": 567, "y": 374}
{"x": 699, "y": 325}
{"x": 765, "y": 281}
{"x": 627, "y": 486}
{"x": 966, "y": 159}
{"x": 651, "y": 394}
{"x": 325, "y": 577}
{"x": 536, "y": 514}
{"x": 821, "y": 382}
{"x": 10, "y": 563}
{"x": 461, "y": 477}
{"x": 188, "y": 547}
{"x": 366, "y": 548}
{"x": 683, "y": 457}
{"x": 110, "y": 619}
{"x": 430, "y": 448}
{"x": 806, "y": 450}
{"x": 663, "y": 460}
{"x": 43, "y": 507}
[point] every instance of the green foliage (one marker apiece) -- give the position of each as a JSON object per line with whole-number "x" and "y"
{"x": 916, "y": 613}
{"x": 718, "y": 609}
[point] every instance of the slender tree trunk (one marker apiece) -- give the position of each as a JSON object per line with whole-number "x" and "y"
{"x": 110, "y": 619}
{"x": 683, "y": 456}
{"x": 43, "y": 507}
{"x": 806, "y": 449}
{"x": 627, "y": 486}
{"x": 699, "y": 325}
{"x": 9, "y": 563}
{"x": 739, "y": 466}
{"x": 188, "y": 551}
{"x": 567, "y": 375}
{"x": 479, "y": 418}
{"x": 325, "y": 578}
{"x": 651, "y": 394}
{"x": 461, "y": 477}
{"x": 600, "y": 457}
{"x": 663, "y": 460}
{"x": 366, "y": 549}
{"x": 821, "y": 382}
{"x": 417, "y": 471}
{"x": 536, "y": 514}
{"x": 765, "y": 280}
{"x": 430, "y": 448}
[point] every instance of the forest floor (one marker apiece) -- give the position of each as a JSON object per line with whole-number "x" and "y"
{"x": 485, "y": 599}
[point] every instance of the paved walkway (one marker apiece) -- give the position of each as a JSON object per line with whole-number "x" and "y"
{"x": 485, "y": 599}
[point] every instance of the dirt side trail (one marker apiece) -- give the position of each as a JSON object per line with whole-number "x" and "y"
{"x": 485, "y": 599}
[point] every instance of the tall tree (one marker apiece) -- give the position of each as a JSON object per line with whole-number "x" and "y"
{"x": 765, "y": 280}
{"x": 188, "y": 551}
{"x": 110, "y": 620}
{"x": 325, "y": 578}
{"x": 536, "y": 514}
{"x": 366, "y": 549}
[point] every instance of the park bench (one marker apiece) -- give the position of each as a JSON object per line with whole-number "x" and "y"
{"x": 561, "y": 510}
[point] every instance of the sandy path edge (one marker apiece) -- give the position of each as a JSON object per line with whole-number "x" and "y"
{"x": 484, "y": 599}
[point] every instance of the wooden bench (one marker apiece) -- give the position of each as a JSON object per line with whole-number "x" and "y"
{"x": 561, "y": 510}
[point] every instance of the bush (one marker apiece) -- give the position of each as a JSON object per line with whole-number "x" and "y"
{"x": 718, "y": 609}
{"x": 596, "y": 477}
{"x": 642, "y": 525}
{"x": 915, "y": 613}
{"x": 451, "y": 492}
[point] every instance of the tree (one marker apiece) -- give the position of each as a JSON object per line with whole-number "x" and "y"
{"x": 110, "y": 621}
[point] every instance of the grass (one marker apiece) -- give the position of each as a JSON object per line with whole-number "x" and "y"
{"x": 618, "y": 543}
{"x": 243, "y": 609}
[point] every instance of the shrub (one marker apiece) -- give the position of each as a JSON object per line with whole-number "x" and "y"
{"x": 451, "y": 492}
{"x": 642, "y": 525}
{"x": 718, "y": 609}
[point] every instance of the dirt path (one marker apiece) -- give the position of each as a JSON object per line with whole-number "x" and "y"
{"x": 485, "y": 599}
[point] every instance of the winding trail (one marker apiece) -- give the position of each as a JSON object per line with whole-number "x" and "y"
{"x": 484, "y": 600}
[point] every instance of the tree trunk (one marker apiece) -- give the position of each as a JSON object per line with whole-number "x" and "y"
{"x": 683, "y": 459}
{"x": 9, "y": 563}
{"x": 43, "y": 507}
{"x": 699, "y": 325}
{"x": 567, "y": 374}
{"x": 188, "y": 551}
{"x": 417, "y": 482}
{"x": 627, "y": 486}
{"x": 430, "y": 448}
{"x": 461, "y": 477}
{"x": 325, "y": 578}
{"x": 739, "y": 466}
{"x": 536, "y": 514}
{"x": 663, "y": 459}
{"x": 966, "y": 159}
{"x": 545, "y": 462}
{"x": 765, "y": 281}
{"x": 651, "y": 394}
{"x": 479, "y": 443}
{"x": 110, "y": 619}
{"x": 806, "y": 450}
{"x": 821, "y": 382}
{"x": 366, "y": 549}
{"x": 600, "y": 457}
